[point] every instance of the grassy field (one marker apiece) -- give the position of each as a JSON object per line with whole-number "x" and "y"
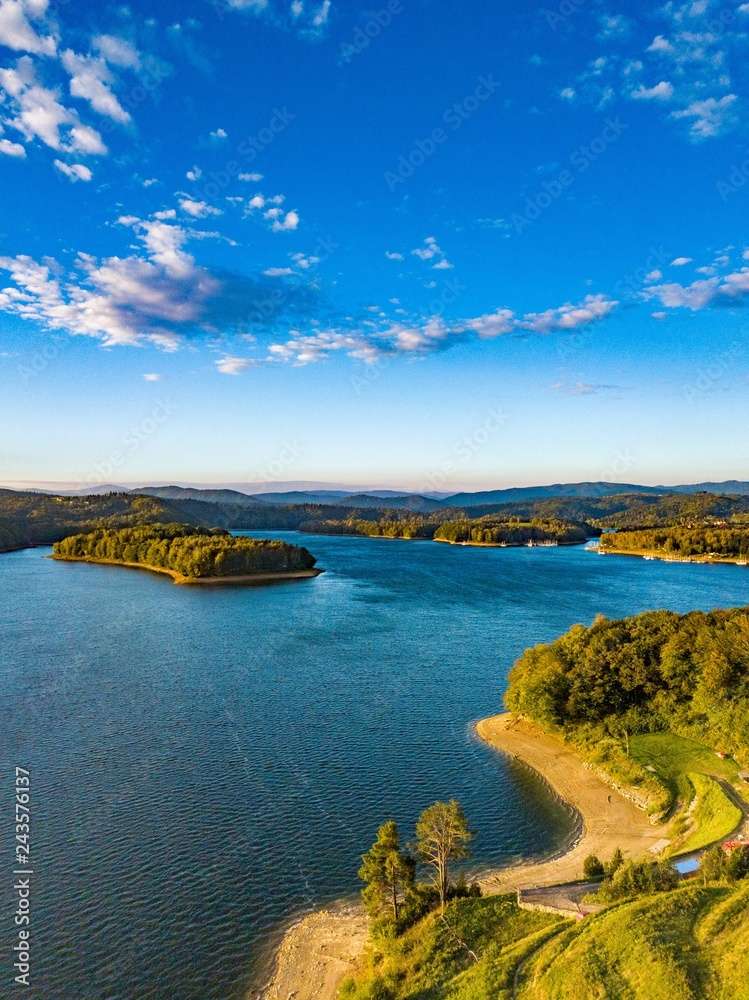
{"x": 689, "y": 771}
{"x": 689, "y": 944}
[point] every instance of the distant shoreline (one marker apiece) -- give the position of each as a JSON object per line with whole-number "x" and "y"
{"x": 664, "y": 557}
{"x": 208, "y": 581}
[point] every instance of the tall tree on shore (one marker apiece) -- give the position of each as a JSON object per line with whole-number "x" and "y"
{"x": 387, "y": 871}
{"x": 442, "y": 836}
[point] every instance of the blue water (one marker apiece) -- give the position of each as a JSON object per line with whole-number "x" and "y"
{"x": 208, "y": 763}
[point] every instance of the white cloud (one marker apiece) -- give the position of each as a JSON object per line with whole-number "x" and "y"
{"x": 660, "y": 44}
{"x": 278, "y": 272}
{"x": 37, "y": 113}
{"x": 194, "y": 174}
{"x": 232, "y": 365}
{"x": 17, "y": 31}
{"x": 252, "y": 178}
{"x": 149, "y": 182}
{"x": 433, "y": 333}
{"x": 711, "y": 116}
{"x": 393, "y": 255}
{"x": 569, "y": 316}
{"x": 198, "y": 209}
{"x": 288, "y": 223}
{"x": 568, "y": 94}
{"x": 433, "y": 251}
{"x": 219, "y": 133}
{"x": 9, "y": 148}
{"x": 152, "y": 377}
{"x": 655, "y": 275}
{"x": 681, "y": 261}
{"x": 694, "y": 296}
{"x": 91, "y": 80}
{"x": 662, "y": 91}
{"x": 492, "y": 325}
{"x": 119, "y": 301}
{"x": 74, "y": 171}
{"x": 443, "y": 265}
{"x": 165, "y": 213}
{"x": 305, "y": 261}
{"x": 117, "y": 51}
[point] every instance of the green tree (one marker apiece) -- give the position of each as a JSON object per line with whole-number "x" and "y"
{"x": 713, "y": 865}
{"x": 593, "y": 867}
{"x": 617, "y": 860}
{"x": 442, "y": 836}
{"x": 388, "y": 873}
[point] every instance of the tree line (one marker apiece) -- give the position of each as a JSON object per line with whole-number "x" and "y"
{"x": 193, "y": 552}
{"x": 657, "y": 671}
{"x": 682, "y": 542}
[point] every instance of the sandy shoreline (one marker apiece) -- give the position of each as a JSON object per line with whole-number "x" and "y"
{"x": 205, "y": 581}
{"x": 322, "y": 948}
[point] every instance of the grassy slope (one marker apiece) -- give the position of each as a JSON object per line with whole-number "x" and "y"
{"x": 642, "y": 950}
{"x": 428, "y": 962}
{"x": 689, "y": 769}
{"x": 689, "y": 944}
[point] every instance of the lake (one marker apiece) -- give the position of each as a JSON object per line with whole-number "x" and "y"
{"x": 208, "y": 763}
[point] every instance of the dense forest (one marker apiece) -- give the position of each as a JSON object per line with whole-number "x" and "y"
{"x": 494, "y": 531}
{"x": 192, "y": 552}
{"x": 654, "y": 672}
{"x": 703, "y": 542}
{"x": 403, "y": 526}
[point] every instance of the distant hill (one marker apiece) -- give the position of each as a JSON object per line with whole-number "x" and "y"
{"x": 207, "y": 496}
{"x": 519, "y": 494}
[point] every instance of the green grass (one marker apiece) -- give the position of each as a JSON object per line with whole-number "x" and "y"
{"x": 714, "y": 817}
{"x": 688, "y": 769}
{"x": 689, "y": 944}
{"x": 643, "y": 950}
{"x": 429, "y": 963}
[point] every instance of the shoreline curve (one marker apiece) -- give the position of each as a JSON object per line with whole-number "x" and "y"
{"x": 321, "y": 948}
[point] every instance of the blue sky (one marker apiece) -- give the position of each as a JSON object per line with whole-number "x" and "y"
{"x": 432, "y": 245}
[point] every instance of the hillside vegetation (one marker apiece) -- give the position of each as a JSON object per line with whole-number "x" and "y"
{"x": 703, "y": 542}
{"x": 691, "y": 943}
{"x": 190, "y": 552}
{"x": 658, "y": 672}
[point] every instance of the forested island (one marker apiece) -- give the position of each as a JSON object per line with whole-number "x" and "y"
{"x": 189, "y": 554}
{"x": 490, "y": 530}
{"x": 494, "y": 531}
{"x": 703, "y": 543}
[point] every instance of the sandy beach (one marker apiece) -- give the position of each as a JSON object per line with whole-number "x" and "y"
{"x": 608, "y": 819}
{"x": 322, "y": 948}
{"x": 317, "y": 953}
